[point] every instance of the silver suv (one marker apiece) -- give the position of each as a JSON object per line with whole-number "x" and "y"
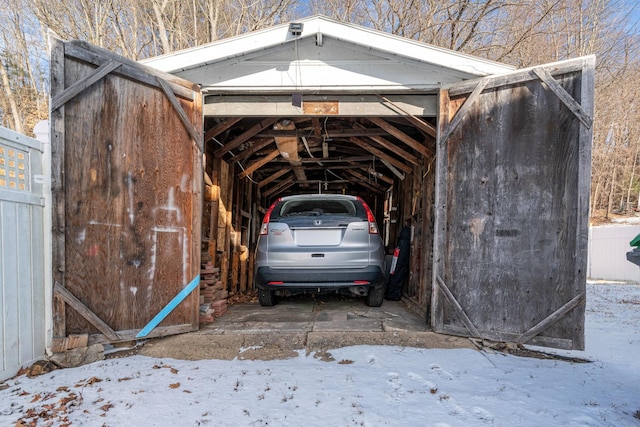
{"x": 320, "y": 243}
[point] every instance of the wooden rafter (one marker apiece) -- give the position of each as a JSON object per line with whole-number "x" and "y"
{"x": 394, "y": 148}
{"x": 378, "y": 175}
{"x": 394, "y": 131}
{"x": 258, "y": 164}
{"x": 381, "y": 154}
{"x": 258, "y": 145}
{"x": 273, "y": 177}
{"x": 428, "y": 128}
{"x": 249, "y": 133}
{"x": 281, "y": 186}
{"x": 362, "y": 180}
{"x": 221, "y": 127}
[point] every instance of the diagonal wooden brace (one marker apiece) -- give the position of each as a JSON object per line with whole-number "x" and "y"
{"x": 458, "y": 308}
{"x": 195, "y": 135}
{"x": 85, "y": 312}
{"x": 78, "y": 87}
{"x": 464, "y": 108}
{"x": 564, "y": 96}
{"x": 552, "y": 318}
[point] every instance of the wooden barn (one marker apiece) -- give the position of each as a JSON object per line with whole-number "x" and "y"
{"x": 164, "y": 168}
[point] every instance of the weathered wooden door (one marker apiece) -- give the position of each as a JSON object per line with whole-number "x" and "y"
{"x": 127, "y": 195}
{"x": 513, "y": 172}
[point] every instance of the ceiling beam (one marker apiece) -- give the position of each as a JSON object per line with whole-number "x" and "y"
{"x": 348, "y": 105}
{"x": 288, "y": 147}
{"x": 330, "y": 160}
{"x": 328, "y": 133}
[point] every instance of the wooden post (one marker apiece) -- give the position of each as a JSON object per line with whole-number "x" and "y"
{"x": 215, "y": 212}
{"x": 58, "y": 186}
{"x": 235, "y": 263}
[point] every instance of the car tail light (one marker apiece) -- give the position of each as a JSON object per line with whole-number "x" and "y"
{"x": 275, "y": 283}
{"x": 361, "y": 282}
{"x": 267, "y": 216}
{"x": 373, "y": 227}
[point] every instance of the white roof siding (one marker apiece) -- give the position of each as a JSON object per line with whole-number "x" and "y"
{"x": 351, "y": 58}
{"x": 334, "y": 65}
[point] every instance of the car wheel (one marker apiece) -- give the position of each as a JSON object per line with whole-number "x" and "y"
{"x": 266, "y": 298}
{"x": 375, "y": 297}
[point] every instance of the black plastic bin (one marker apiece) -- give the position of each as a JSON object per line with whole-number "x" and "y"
{"x": 634, "y": 255}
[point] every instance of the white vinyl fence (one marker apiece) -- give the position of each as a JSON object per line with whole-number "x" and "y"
{"x": 608, "y": 247}
{"x": 23, "y": 296}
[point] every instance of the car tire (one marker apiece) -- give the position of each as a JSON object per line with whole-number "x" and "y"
{"x": 375, "y": 297}
{"x": 266, "y": 298}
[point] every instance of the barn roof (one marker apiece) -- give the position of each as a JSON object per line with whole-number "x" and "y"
{"x": 323, "y": 56}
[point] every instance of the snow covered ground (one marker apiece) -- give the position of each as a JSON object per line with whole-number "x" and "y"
{"x": 363, "y": 386}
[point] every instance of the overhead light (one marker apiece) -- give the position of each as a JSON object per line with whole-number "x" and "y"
{"x": 295, "y": 28}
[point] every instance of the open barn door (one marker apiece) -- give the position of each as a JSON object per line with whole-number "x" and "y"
{"x": 127, "y": 196}
{"x": 513, "y": 172}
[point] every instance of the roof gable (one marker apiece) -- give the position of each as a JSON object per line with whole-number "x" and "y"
{"x": 327, "y": 55}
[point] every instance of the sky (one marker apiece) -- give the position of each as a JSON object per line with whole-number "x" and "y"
{"x": 361, "y": 386}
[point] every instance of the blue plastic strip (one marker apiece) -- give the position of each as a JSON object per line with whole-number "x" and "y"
{"x": 169, "y": 308}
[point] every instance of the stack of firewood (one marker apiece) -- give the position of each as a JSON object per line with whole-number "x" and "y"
{"x": 213, "y": 297}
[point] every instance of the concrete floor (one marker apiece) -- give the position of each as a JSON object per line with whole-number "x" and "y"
{"x": 324, "y": 313}
{"x": 302, "y": 323}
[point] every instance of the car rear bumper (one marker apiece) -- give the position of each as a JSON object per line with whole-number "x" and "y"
{"x": 274, "y": 279}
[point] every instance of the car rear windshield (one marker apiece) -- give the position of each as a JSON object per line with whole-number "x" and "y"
{"x": 290, "y": 208}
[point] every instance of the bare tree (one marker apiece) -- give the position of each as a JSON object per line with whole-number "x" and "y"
{"x": 22, "y": 69}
